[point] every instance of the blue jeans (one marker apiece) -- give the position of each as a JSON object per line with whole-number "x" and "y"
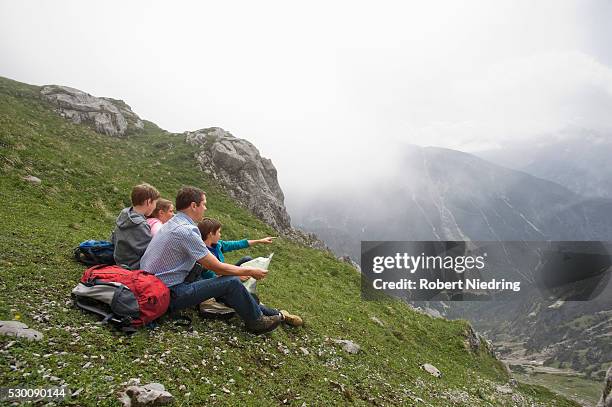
{"x": 227, "y": 289}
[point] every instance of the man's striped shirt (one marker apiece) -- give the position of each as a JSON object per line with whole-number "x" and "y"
{"x": 174, "y": 250}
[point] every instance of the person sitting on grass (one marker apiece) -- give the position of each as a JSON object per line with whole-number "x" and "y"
{"x": 178, "y": 247}
{"x": 164, "y": 211}
{"x": 210, "y": 229}
{"x": 132, "y": 233}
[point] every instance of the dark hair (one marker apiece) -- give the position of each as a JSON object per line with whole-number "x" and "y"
{"x": 142, "y": 192}
{"x": 162, "y": 205}
{"x": 208, "y": 225}
{"x": 187, "y": 195}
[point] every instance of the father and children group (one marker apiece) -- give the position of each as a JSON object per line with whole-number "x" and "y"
{"x": 185, "y": 252}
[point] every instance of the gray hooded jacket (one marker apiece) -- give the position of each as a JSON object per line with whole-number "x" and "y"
{"x": 131, "y": 238}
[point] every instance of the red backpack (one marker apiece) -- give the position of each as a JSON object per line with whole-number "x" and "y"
{"x": 129, "y": 298}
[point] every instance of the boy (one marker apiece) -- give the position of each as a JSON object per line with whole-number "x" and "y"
{"x": 132, "y": 233}
{"x": 210, "y": 229}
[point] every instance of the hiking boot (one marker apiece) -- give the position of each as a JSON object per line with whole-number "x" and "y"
{"x": 212, "y": 309}
{"x": 291, "y": 319}
{"x": 264, "y": 324}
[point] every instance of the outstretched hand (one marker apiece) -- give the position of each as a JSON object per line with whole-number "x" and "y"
{"x": 266, "y": 240}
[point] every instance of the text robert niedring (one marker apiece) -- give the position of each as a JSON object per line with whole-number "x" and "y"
{"x": 437, "y": 284}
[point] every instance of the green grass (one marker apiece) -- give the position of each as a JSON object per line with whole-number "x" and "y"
{"x": 86, "y": 179}
{"x": 580, "y": 389}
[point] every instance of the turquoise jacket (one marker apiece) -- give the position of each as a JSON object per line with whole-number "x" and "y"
{"x": 224, "y": 246}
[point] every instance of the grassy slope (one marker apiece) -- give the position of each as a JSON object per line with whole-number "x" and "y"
{"x": 86, "y": 178}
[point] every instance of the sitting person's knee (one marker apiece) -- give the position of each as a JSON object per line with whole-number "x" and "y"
{"x": 234, "y": 281}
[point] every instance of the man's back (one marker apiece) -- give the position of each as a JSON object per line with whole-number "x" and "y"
{"x": 174, "y": 250}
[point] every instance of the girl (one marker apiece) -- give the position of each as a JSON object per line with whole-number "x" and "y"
{"x": 164, "y": 211}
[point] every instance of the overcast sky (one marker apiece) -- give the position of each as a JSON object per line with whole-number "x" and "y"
{"x": 328, "y": 90}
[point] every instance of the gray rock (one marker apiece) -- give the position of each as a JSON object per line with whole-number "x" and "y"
{"x": 606, "y": 395}
{"x": 476, "y": 342}
{"x": 434, "y": 313}
{"x": 431, "y": 369}
{"x": 348, "y": 345}
{"x": 472, "y": 339}
{"x": 377, "y": 321}
{"x": 20, "y": 330}
{"x": 107, "y": 116}
{"x": 307, "y": 239}
{"x": 152, "y": 394}
{"x": 505, "y": 389}
{"x": 248, "y": 177}
{"x": 32, "y": 180}
{"x": 347, "y": 259}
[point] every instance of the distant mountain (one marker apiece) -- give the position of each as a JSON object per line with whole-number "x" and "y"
{"x": 442, "y": 194}
{"x": 575, "y": 158}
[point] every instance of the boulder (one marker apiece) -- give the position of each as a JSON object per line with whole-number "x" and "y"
{"x": 32, "y": 180}
{"x": 20, "y": 330}
{"x": 431, "y": 369}
{"x": 249, "y": 178}
{"x": 505, "y": 389}
{"x": 246, "y": 175}
{"x": 107, "y": 116}
{"x": 152, "y": 394}
{"x": 348, "y": 346}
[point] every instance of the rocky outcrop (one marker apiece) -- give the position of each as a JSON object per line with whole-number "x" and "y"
{"x": 107, "y": 116}
{"x": 606, "y": 396}
{"x": 249, "y": 178}
{"x": 305, "y": 238}
{"x": 477, "y": 343}
{"x": 347, "y": 259}
{"x": 246, "y": 175}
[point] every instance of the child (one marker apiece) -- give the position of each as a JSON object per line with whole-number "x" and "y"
{"x": 211, "y": 234}
{"x": 132, "y": 233}
{"x": 164, "y": 211}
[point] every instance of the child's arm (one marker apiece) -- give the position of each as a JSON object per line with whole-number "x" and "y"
{"x": 266, "y": 240}
{"x": 231, "y": 245}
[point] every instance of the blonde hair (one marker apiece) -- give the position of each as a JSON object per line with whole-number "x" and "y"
{"x": 162, "y": 205}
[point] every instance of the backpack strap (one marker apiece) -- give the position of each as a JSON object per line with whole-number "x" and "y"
{"x": 123, "y": 322}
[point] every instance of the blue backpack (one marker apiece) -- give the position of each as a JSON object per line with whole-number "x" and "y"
{"x": 94, "y": 252}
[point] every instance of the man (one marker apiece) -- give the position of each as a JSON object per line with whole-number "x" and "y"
{"x": 178, "y": 246}
{"x": 132, "y": 233}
